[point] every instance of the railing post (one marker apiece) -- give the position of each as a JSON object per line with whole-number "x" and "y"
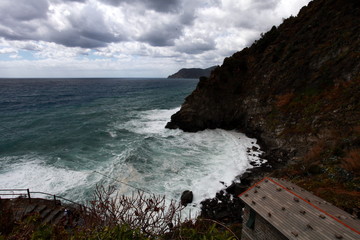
{"x": 28, "y": 193}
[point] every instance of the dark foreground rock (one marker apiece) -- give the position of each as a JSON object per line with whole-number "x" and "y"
{"x": 186, "y": 197}
{"x": 223, "y": 207}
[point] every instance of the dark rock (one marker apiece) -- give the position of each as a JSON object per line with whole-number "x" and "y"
{"x": 171, "y": 125}
{"x": 223, "y": 183}
{"x": 236, "y": 188}
{"x": 223, "y": 208}
{"x": 250, "y": 90}
{"x": 186, "y": 197}
{"x": 254, "y": 148}
{"x": 314, "y": 169}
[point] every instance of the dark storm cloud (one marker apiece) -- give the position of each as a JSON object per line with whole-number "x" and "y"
{"x": 165, "y": 33}
{"x": 157, "y": 5}
{"x": 196, "y": 47}
{"x": 180, "y": 24}
{"x": 68, "y": 38}
{"x": 92, "y": 29}
{"x": 88, "y": 30}
{"x": 27, "y": 20}
{"x": 187, "y": 17}
{"x": 72, "y": 38}
{"x": 162, "y": 34}
{"x": 81, "y": 1}
{"x": 87, "y": 27}
{"x": 23, "y": 10}
{"x": 163, "y": 5}
{"x": 264, "y": 5}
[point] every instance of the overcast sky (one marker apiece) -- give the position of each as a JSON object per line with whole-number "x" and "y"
{"x": 129, "y": 38}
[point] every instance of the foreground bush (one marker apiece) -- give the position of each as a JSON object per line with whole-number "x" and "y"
{"x": 113, "y": 216}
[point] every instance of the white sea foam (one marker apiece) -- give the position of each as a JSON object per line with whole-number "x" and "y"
{"x": 166, "y": 162}
{"x": 192, "y": 161}
{"x": 31, "y": 172}
{"x": 222, "y": 155}
{"x": 149, "y": 122}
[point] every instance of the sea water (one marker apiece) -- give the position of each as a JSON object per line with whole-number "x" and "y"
{"x": 65, "y": 136}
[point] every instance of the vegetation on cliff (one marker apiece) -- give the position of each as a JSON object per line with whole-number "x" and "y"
{"x": 297, "y": 89}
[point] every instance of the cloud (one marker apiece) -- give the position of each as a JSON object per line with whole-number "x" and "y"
{"x": 84, "y": 27}
{"x": 7, "y": 50}
{"x": 23, "y": 10}
{"x": 80, "y": 1}
{"x": 195, "y": 47}
{"x": 157, "y": 5}
{"x": 152, "y": 33}
{"x": 161, "y": 34}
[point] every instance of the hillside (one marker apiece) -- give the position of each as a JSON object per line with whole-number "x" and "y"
{"x": 297, "y": 89}
{"x": 192, "y": 72}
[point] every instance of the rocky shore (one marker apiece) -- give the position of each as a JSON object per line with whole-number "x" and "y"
{"x": 296, "y": 90}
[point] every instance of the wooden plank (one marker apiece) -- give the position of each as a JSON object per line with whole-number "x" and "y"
{"x": 291, "y": 212}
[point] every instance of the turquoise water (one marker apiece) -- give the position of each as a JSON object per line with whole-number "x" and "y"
{"x": 64, "y": 136}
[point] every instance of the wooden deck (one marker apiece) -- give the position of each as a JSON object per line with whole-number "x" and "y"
{"x": 297, "y": 213}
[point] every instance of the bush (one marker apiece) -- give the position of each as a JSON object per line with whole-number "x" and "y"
{"x": 351, "y": 161}
{"x": 151, "y": 215}
{"x": 113, "y": 216}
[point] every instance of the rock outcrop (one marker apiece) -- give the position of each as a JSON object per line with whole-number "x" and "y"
{"x": 268, "y": 89}
{"x": 297, "y": 90}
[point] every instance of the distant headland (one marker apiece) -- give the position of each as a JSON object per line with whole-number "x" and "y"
{"x": 193, "y": 72}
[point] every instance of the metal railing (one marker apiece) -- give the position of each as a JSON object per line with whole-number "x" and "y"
{"x": 15, "y": 194}
{"x": 27, "y": 193}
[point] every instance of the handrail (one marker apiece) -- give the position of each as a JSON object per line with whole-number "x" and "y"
{"x": 12, "y": 194}
{"x": 28, "y": 194}
{"x": 56, "y": 196}
{"x": 19, "y": 189}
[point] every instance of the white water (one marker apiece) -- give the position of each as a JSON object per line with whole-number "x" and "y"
{"x": 158, "y": 160}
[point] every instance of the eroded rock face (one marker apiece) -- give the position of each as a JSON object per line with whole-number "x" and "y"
{"x": 258, "y": 90}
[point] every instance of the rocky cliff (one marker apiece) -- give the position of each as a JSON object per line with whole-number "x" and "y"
{"x": 296, "y": 89}
{"x": 192, "y": 72}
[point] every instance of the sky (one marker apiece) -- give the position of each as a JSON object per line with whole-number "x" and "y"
{"x": 129, "y": 38}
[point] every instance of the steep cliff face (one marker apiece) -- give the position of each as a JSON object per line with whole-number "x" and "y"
{"x": 295, "y": 89}
{"x": 303, "y": 57}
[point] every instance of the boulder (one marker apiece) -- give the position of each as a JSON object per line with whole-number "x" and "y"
{"x": 186, "y": 197}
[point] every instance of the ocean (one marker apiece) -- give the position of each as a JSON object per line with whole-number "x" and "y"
{"x": 65, "y": 136}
